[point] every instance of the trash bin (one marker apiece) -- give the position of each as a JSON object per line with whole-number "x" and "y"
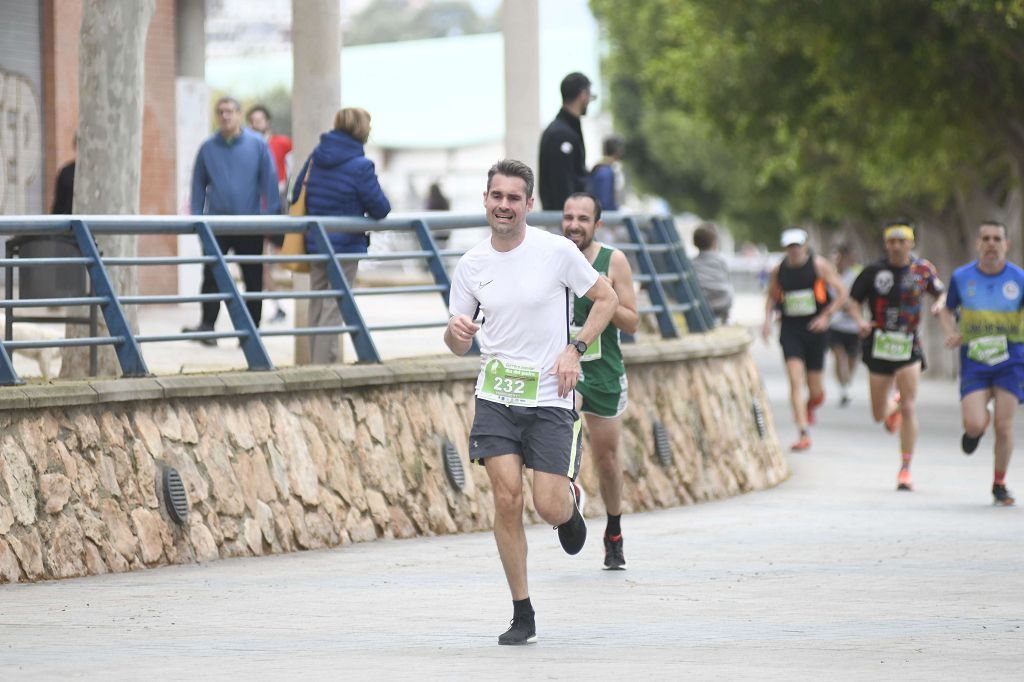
{"x": 56, "y": 281}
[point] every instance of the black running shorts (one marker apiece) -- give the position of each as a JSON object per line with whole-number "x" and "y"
{"x": 848, "y": 341}
{"x": 547, "y": 438}
{"x": 890, "y": 367}
{"x": 801, "y": 343}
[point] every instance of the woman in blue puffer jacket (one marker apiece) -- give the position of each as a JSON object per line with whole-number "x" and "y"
{"x": 342, "y": 182}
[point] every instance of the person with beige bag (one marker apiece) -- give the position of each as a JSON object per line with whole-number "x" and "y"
{"x": 337, "y": 180}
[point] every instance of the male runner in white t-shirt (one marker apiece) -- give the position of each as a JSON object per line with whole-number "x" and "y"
{"x": 515, "y": 290}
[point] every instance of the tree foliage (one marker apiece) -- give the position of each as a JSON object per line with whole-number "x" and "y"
{"x": 764, "y": 112}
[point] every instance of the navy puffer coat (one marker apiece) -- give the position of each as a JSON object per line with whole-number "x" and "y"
{"x": 343, "y": 182}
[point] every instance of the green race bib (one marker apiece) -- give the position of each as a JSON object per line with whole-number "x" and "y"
{"x": 990, "y": 350}
{"x": 894, "y": 346}
{"x": 510, "y": 383}
{"x": 593, "y": 350}
{"x": 799, "y": 303}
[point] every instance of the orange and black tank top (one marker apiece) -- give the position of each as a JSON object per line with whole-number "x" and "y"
{"x": 802, "y": 293}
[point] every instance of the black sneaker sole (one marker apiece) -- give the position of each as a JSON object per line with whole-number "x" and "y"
{"x": 968, "y": 444}
{"x": 529, "y": 640}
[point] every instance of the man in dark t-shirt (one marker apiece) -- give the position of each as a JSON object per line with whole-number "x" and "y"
{"x": 894, "y": 289}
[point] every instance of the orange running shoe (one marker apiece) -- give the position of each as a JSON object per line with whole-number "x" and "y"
{"x": 895, "y": 420}
{"x": 804, "y": 443}
{"x": 812, "y": 405}
{"x": 904, "y": 481}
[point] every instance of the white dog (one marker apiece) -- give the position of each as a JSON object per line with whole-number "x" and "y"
{"x": 46, "y": 358}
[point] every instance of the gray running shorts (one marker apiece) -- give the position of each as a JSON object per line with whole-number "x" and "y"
{"x": 547, "y": 438}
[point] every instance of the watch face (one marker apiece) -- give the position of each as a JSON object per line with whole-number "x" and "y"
{"x": 580, "y": 346}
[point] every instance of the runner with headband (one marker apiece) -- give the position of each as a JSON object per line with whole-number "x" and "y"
{"x": 894, "y": 289}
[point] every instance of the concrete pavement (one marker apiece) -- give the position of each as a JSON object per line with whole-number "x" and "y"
{"x": 832, "y": 575}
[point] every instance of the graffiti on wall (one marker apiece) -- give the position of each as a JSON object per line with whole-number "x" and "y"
{"x": 20, "y": 141}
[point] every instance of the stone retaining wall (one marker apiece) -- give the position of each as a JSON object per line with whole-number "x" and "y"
{"x": 307, "y": 458}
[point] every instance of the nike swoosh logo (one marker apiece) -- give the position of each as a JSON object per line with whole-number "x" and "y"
{"x": 483, "y": 284}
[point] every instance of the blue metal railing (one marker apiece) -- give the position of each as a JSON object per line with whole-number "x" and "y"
{"x": 658, "y": 257}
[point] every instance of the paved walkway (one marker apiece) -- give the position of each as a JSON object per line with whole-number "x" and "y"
{"x": 832, "y": 575}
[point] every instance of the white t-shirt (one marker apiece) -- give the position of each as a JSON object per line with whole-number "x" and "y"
{"x": 523, "y": 299}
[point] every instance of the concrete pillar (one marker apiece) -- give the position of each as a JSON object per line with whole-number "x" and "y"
{"x": 316, "y": 71}
{"x": 316, "y": 98}
{"x": 192, "y": 122}
{"x": 520, "y": 24}
{"x": 190, "y": 35}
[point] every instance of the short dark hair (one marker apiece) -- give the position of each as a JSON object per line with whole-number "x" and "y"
{"x": 588, "y": 195}
{"x": 613, "y": 145}
{"x": 705, "y": 235}
{"x": 844, "y": 249}
{"x": 573, "y": 85}
{"x": 994, "y": 223}
{"x": 513, "y": 169}
{"x": 227, "y": 99}
{"x": 259, "y": 107}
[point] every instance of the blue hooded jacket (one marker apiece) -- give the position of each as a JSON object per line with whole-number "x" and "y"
{"x": 343, "y": 182}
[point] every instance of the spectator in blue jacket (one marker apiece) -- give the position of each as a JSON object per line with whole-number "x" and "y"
{"x": 606, "y": 180}
{"x": 233, "y": 175}
{"x": 342, "y": 182}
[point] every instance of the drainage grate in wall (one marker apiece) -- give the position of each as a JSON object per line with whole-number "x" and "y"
{"x": 662, "y": 446}
{"x": 759, "y": 418}
{"x": 453, "y": 465}
{"x": 174, "y": 496}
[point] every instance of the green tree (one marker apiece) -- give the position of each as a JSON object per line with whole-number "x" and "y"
{"x": 763, "y": 112}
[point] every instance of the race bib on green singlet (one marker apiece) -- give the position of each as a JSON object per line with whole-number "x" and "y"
{"x": 990, "y": 350}
{"x": 894, "y": 346}
{"x": 593, "y": 350}
{"x": 510, "y": 383}
{"x": 799, "y": 303}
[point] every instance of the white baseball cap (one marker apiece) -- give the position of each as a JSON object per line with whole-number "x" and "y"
{"x": 794, "y": 236}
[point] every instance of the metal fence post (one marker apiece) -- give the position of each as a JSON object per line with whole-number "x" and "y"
{"x": 366, "y": 351}
{"x": 691, "y": 275}
{"x": 687, "y": 290}
{"x": 8, "y": 377}
{"x": 128, "y": 352}
{"x": 252, "y": 345}
{"x": 666, "y": 323}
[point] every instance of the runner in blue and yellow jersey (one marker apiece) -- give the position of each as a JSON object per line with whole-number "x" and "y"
{"x": 601, "y": 392}
{"x": 988, "y": 294}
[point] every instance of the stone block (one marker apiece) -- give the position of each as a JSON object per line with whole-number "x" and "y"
{"x": 55, "y": 490}
{"x": 202, "y": 542}
{"x": 14, "y": 398}
{"x": 10, "y": 570}
{"x": 19, "y": 479}
{"x": 127, "y": 389}
{"x": 150, "y": 530}
{"x": 310, "y": 379}
{"x": 66, "y": 555}
{"x": 191, "y": 386}
{"x": 62, "y": 394}
{"x": 252, "y": 383}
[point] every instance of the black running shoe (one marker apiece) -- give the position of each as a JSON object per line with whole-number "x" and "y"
{"x": 522, "y": 631}
{"x": 614, "y": 559}
{"x": 573, "y": 533}
{"x": 969, "y": 444}
{"x": 1001, "y": 497}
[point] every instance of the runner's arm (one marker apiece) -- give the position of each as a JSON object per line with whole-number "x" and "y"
{"x": 948, "y": 320}
{"x": 567, "y": 366}
{"x": 831, "y": 276}
{"x": 625, "y": 317}
{"x": 458, "y": 336}
{"x": 771, "y": 299}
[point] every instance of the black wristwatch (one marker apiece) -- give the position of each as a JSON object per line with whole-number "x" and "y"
{"x": 580, "y": 346}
